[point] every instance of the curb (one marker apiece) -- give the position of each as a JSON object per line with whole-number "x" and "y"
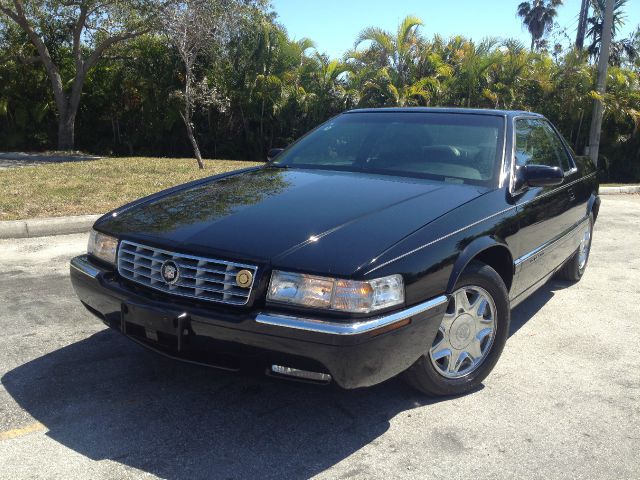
{"x": 41, "y": 227}
{"x": 620, "y": 190}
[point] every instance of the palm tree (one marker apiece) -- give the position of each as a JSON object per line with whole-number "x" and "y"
{"x": 472, "y": 68}
{"x": 507, "y": 74}
{"x": 537, "y": 16}
{"x": 436, "y": 70}
{"x": 325, "y": 79}
{"x": 395, "y": 57}
{"x": 596, "y": 22}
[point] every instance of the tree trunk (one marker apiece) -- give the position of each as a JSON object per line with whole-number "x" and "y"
{"x": 601, "y": 83}
{"x": 533, "y": 42}
{"x": 262, "y": 128}
{"x": 196, "y": 149}
{"x": 66, "y": 131}
{"x": 194, "y": 142}
{"x": 582, "y": 24}
{"x": 67, "y": 105}
{"x": 575, "y": 144}
{"x": 245, "y": 129}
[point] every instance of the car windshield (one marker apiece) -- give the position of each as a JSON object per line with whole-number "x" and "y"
{"x": 451, "y": 147}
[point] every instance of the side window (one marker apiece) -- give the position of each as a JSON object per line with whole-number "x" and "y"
{"x": 533, "y": 144}
{"x": 558, "y": 147}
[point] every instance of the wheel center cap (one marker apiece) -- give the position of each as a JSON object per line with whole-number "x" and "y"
{"x": 462, "y": 330}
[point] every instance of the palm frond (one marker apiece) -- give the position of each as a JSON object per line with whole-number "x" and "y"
{"x": 377, "y": 37}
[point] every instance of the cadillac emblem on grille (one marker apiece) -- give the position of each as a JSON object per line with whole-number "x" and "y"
{"x": 170, "y": 272}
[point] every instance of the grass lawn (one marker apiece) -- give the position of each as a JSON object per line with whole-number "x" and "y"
{"x": 97, "y": 186}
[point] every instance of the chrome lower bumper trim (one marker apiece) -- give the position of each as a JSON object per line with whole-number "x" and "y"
{"x": 82, "y": 265}
{"x": 354, "y": 328}
{"x": 302, "y": 374}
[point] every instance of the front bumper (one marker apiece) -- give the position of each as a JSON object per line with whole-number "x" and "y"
{"x": 356, "y": 354}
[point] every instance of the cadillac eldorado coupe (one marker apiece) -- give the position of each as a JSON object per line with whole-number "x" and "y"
{"x": 383, "y": 242}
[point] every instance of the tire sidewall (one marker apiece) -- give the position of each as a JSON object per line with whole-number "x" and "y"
{"x": 481, "y": 275}
{"x": 579, "y": 272}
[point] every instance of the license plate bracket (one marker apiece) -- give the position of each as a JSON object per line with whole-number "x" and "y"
{"x": 154, "y": 322}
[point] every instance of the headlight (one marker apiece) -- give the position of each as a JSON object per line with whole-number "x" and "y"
{"x": 334, "y": 293}
{"x": 102, "y": 246}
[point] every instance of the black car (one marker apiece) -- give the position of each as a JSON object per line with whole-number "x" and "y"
{"x": 385, "y": 241}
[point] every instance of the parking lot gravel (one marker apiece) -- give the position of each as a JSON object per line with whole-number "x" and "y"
{"x": 79, "y": 401}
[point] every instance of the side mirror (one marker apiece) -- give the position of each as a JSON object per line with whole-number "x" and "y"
{"x": 273, "y": 153}
{"x": 538, "y": 176}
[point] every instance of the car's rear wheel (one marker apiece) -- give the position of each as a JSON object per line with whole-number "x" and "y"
{"x": 575, "y": 267}
{"x": 470, "y": 338}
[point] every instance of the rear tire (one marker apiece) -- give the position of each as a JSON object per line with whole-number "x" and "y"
{"x": 577, "y": 264}
{"x": 464, "y": 351}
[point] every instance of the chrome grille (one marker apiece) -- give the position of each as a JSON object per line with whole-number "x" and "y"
{"x": 201, "y": 278}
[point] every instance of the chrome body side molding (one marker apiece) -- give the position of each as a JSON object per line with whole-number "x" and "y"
{"x": 477, "y": 222}
{"x": 518, "y": 261}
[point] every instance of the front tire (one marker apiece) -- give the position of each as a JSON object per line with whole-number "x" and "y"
{"x": 471, "y": 336}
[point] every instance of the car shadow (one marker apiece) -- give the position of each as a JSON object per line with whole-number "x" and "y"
{"x": 527, "y": 309}
{"x": 108, "y": 398}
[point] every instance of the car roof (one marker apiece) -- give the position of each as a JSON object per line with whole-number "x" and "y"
{"x": 470, "y": 111}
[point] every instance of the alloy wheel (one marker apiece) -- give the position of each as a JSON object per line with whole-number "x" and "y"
{"x": 466, "y": 333}
{"x": 583, "y": 251}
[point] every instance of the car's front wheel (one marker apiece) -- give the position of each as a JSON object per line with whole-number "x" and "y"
{"x": 470, "y": 338}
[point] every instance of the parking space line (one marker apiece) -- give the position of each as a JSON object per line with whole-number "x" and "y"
{"x": 19, "y": 432}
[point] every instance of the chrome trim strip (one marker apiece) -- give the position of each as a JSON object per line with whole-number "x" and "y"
{"x": 462, "y": 229}
{"x": 551, "y": 242}
{"x": 354, "y": 328}
{"x": 555, "y": 190}
{"x": 503, "y": 173}
{"x": 301, "y": 374}
{"x": 512, "y": 162}
{"x": 82, "y": 265}
{"x": 444, "y": 237}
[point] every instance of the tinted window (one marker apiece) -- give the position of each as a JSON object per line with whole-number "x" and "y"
{"x": 561, "y": 153}
{"x": 459, "y": 148}
{"x": 538, "y": 144}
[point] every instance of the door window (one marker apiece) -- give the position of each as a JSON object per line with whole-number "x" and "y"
{"x": 537, "y": 144}
{"x": 558, "y": 147}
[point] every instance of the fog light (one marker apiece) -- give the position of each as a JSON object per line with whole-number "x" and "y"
{"x": 305, "y": 374}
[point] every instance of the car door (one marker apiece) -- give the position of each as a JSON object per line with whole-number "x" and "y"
{"x": 544, "y": 213}
{"x": 577, "y": 191}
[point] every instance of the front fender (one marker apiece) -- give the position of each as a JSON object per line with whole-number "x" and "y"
{"x": 472, "y": 251}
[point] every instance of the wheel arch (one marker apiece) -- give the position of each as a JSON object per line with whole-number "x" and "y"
{"x": 487, "y": 250}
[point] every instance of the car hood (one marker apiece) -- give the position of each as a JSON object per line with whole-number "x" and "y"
{"x": 312, "y": 220}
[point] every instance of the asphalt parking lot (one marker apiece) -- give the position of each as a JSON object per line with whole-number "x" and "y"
{"x": 78, "y": 401}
